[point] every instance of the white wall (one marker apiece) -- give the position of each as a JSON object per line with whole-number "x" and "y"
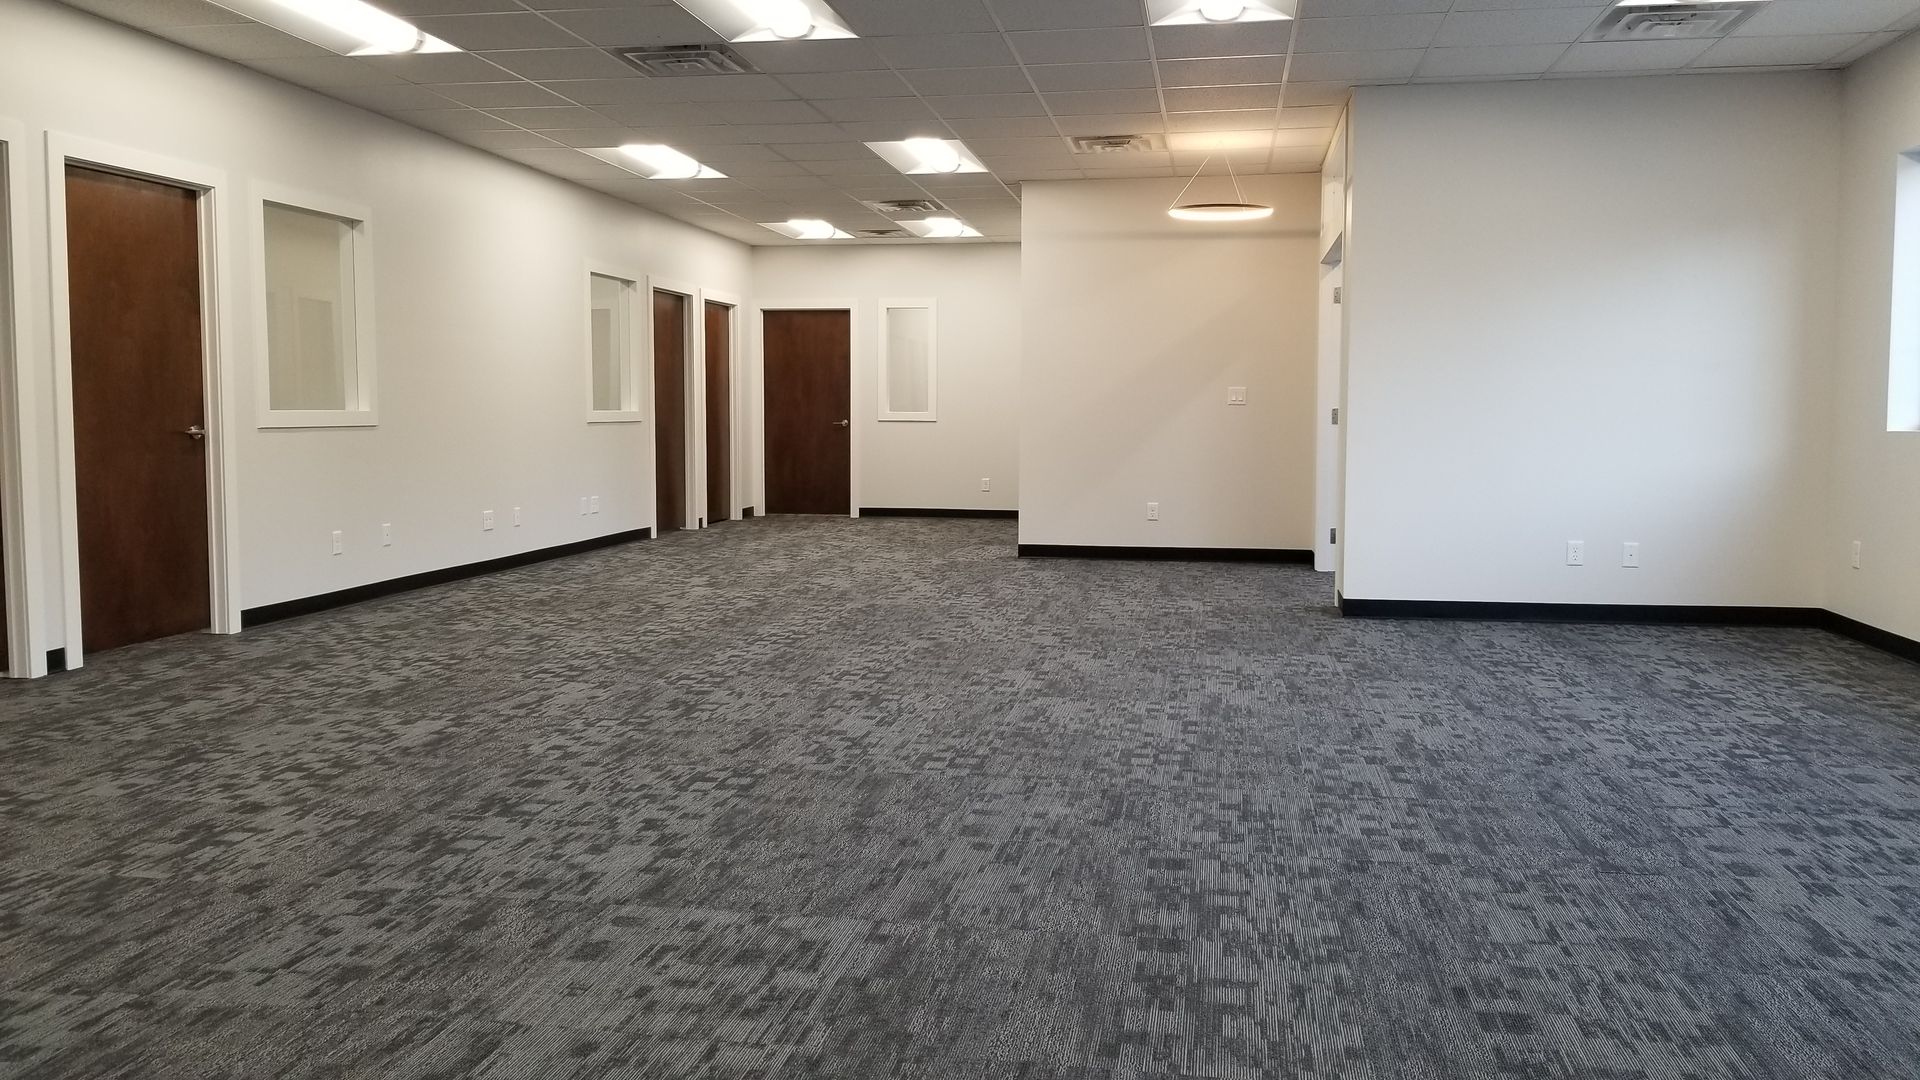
{"x": 1874, "y": 496}
{"x": 1595, "y": 310}
{"x": 977, "y": 288}
{"x": 1135, "y": 326}
{"x": 479, "y": 272}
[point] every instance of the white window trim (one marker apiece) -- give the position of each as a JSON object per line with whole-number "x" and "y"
{"x": 634, "y": 410}
{"x": 932, "y": 411}
{"x": 363, "y": 412}
{"x": 1903, "y": 332}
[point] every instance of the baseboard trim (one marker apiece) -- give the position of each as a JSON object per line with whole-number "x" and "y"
{"x": 56, "y": 661}
{"x": 1496, "y": 611}
{"x": 746, "y": 513}
{"x": 308, "y": 605}
{"x": 934, "y": 511}
{"x": 1885, "y": 640}
{"x": 1171, "y": 554}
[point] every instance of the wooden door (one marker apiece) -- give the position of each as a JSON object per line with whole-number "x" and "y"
{"x": 670, "y": 410}
{"x": 140, "y": 469}
{"x": 808, "y": 412}
{"x": 719, "y": 412}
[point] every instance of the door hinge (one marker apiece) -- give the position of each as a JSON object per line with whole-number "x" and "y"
{"x": 1336, "y": 293}
{"x": 1336, "y": 417}
{"x": 1333, "y": 536}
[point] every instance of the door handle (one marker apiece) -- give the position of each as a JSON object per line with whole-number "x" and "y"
{"x": 196, "y": 432}
{"x": 842, "y": 423}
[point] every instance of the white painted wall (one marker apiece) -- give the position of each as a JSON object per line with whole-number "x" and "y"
{"x": 1135, "y": 326}
{"x": 480, "y": 270}
{"x": 1875, "y": 478}
{"x": 1595, "y": 310}
{"x": 935, "y": 465}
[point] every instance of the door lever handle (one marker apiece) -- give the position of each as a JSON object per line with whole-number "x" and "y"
{"x": 842, "y": 423}
{"x": 196, "y": 432}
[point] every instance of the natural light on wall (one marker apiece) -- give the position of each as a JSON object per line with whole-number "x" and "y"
{"x": 348, "y": 27}
{"x": 769, "y": 20}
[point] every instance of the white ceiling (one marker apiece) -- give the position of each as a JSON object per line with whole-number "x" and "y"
{"x": 1012, "y": 78}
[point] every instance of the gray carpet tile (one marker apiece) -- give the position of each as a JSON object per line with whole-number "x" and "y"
{"x": 813, "y": 799}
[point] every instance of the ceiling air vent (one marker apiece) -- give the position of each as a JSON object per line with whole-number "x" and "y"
{"x": 1116, "y": 144}
{"x": 1666, "y": 21}
{"x": 906, "y": 207}
{"x": 675, "y": 61}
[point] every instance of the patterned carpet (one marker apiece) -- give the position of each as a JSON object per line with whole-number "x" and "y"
{"x": 800, "y": 799}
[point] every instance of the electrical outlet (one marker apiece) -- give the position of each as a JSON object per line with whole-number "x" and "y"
{"x": 986, "y": 483}
{"x": 583, "y": 506}
{"x": 386, "y": 534}
{"x": 516, "y": 517}
{"x": 1153, "y": 511}
{"x": 1236, "y": 395}
{"x": 486, "y": 521}
{"x": 339, "y": 542}
{"x": 593, "y": 505}
{"x": 1576, "y": 553}
{"x": 1630, "y": 555}
{"x": 1856, "y": 554}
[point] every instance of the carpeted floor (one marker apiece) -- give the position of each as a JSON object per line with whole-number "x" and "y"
{"x": 812, "y": 799}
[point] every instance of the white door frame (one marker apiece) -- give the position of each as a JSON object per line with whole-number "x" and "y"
{"x": 857, "y": 390}
{"x": 21, "y": 560}
{"x": 695, "y": 434}
{"x": 735, "y": 490}
{"x": 216, "y": 202}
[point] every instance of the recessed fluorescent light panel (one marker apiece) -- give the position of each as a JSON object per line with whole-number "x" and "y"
{"x": 928, "y": 157}
{"x": 807, "y": 229}
{"x": 1218, "y": 12}
{"x": 769, "y": 20}
{"x": 656, "y": 162}
{"x": 940, "y": 228}
{"x": 348, "y": 27}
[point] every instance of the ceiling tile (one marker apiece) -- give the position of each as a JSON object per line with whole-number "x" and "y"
{"x": 1002, "y": 127}
{"x": 152, "y": 14}
{"x": 410, "y": 8}
{"x": 1366, "y": 32}
{"x": 951, "y": 81}
{"x": 1629, "y": 55}
{"x": 1111, "y": 76}
{"x": 848, "y": 85}
{"x": 1321, "y": 9}
{"x": 501, "y": 95}
{"x": 542, "y": 64}
{"x": 1317, "y": 93}
{"x": 658, "y": 113}
{"x": 1237, "y": 120}
{"x": 1319, "y": 116}
{"x": 241, "y": 41}
{"x": 561, "y": 116}
{"x": 1098, "y": 102}
{"x": 502, "y": 140}
{"x": 1068, "y": 14}
{"x": 1489, "y": 60}
{"x": 892, "y": 130}
{"x": 1215, "y": 98}
{"x": 1357, "y": 66}
{"x": 452, "y": 120}
{"x": 733, "y": 88}
{"x": 1040, "y": 146}
{"x": 887, "y": 18}
{"x": 434, "y": 68}
{"x": 973, "y": 106}
{"x": 1138, "y": 124}
{"x": 612, "y": 135}
{"x": 840, "y": 151}
{"x": 1827, "y": 17}
{"x": 945, "y": 51}
{"x": 768, "y": 112}
{"x": 323, "y": 72}
{"x": 475, "y": 33}
{"x": 659, "y": 25}
{"x": 899, "y": 108}
{"x": 1079, "y": 46}
{"x": 1538, "y": 27}
{"x": 1243, "y": 39}
{"x": 391, "y": 98}
{"x": 1768, "y": 51}
{"x": 813, "y": 57}
{"x": 769, "y": 134}
{"x": 1223, "y": 72}
{"x": 636, "y": 90}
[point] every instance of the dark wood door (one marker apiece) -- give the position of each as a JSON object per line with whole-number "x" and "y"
{"x": 719, "y": 412}
{"x": 808, "y": 412}
{"x": 133, "y": 288}
{"x": 670, "y": 410}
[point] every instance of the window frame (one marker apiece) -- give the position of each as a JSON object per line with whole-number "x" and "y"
{"x": 362, "y": 409}
{"x": 634, "y": 399}
{"x": 1903, "y": 330}
{"x": 931, "y": 414}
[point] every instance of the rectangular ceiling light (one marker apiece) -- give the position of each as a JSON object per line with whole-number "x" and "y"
{"x": 769, "y": 20}
{"x": 928, "y": 157}
{"x": 807, "y": 229}
{"x": 1218, "y": 12}
{"x": 940, "y": 228}
{"x": 656, "y": 162}
{"x": 348, "y": 27}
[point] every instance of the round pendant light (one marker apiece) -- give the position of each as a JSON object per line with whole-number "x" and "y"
{"x": 1237, "y": 210}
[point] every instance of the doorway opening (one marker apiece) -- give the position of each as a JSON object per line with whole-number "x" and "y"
{"x": 719, "y": 394}
{"x": 671, "y": 331}
{"x": 808, "y": 410}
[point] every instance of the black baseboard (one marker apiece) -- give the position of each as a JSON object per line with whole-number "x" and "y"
{"x": 1101, "y": 551}
{"x": 939, "y": 512}
{"x": 1884, "y": 640}
{"x": 56, "y": 661}
{"x": 308, "y": 605}
{"x": 1493, "y": 611}
{"x": 746, "y": 513}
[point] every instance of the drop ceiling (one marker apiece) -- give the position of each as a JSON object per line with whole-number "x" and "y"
{"x": 1017, "y": 80}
